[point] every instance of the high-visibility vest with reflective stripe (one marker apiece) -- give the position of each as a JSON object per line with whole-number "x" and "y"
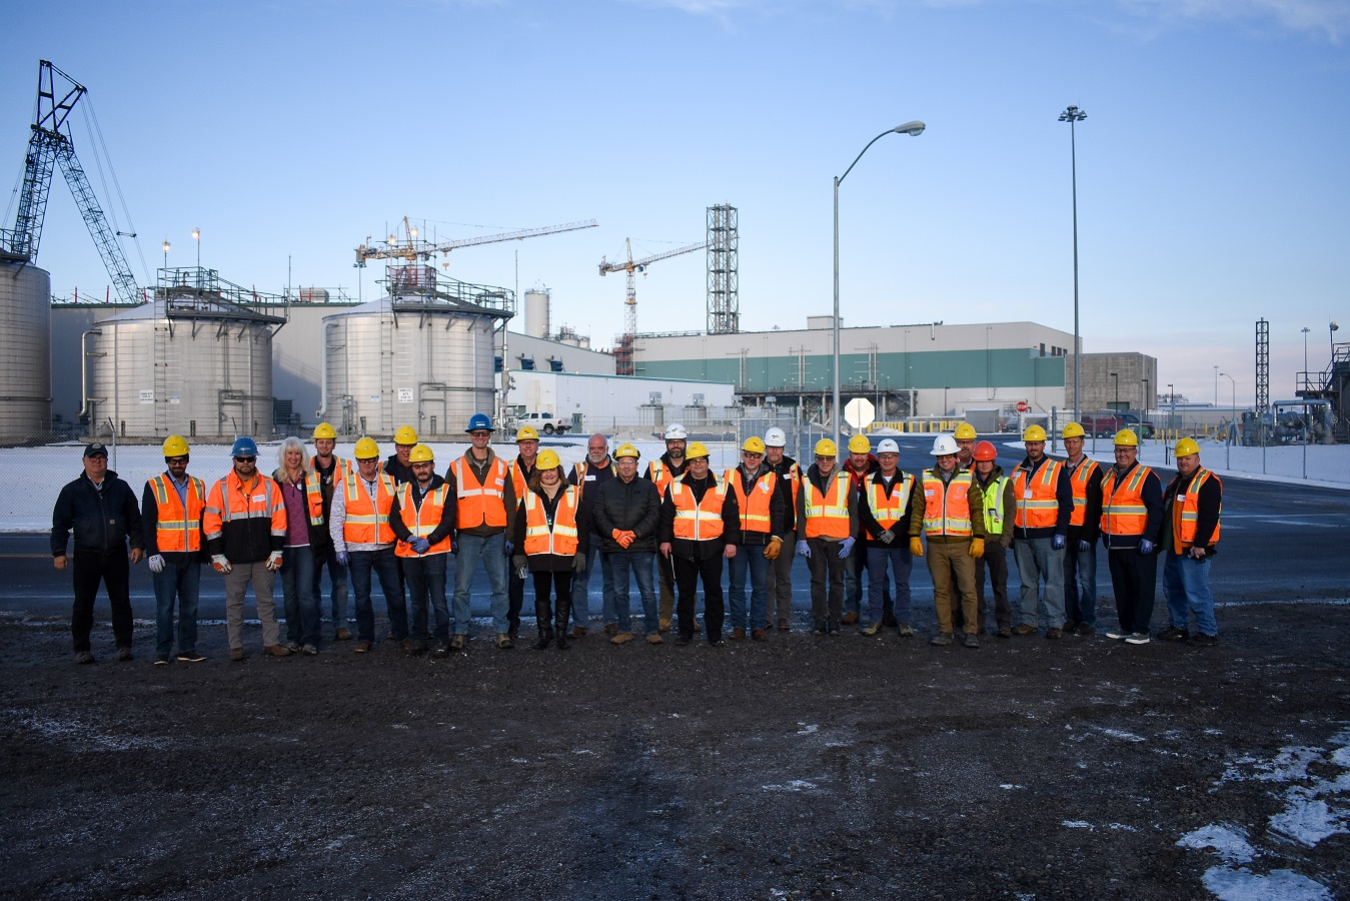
{"x": 341, "y": 469}
{"x": 1036, "y": 506}
{"x": 314, "y": 499}
{"x": 1123, "y": 510}
{"x": 368, "y": 518}
{"x": 947, "y": 505}
{"x": 827, "y": 514}
{"x": 422, "y": 520}
{"x": 1186, "y": 510}
{"x": 558, "y": 538}
{"x": 519, "y": 480}
{"x": 1078, "y": 480}
{"x": 754, "y": 509}
{"x": 701, "y": 521}
{"x": 661, "y": 476}
{"x": 480, "y": 503}
{"x": 993, "y": 505}
{"x": 178, "y": 530}
{"x": 228, "y": 502}
{"x": 888, "y": 511}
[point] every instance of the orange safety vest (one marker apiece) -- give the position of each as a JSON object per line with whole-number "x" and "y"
{"x": 422, "y": 521}
{"x": 827, "y": 515}
{"x": 1186, "y": 509}
{"x": 888, "y": 511}
{"x": 228, "y": 501}
{"x": 519, "y": 480}
{"x": 1123, "y": 510}
{"x": 701, "y": 521}
{"x": 368, "y": 519}
{"x": 661, "y": 476}
{"x": 581, "y": 470}
{"x": 754, "y": 510}
{"x": 794, "y": 477}
{"x": 559, "y": 538}
{"x": 314, "y": 499}
{"x": 479, "y": 503}
{"x": 178, "y": 530}
{"x": 1037, "y": 507}
{"x": 947, "y": 504}
{"x": 341, "y": 469}
{"x": 1078, "y": 481}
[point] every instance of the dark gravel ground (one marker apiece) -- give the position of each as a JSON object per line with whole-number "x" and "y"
{"x": 804, "y": 767}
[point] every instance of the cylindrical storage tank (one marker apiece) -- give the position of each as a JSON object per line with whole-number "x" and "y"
{"x": 151, "y": 375}
{"x": 25, "y": 352}
{"x": 430, "y": 368}
{"x": 536, "y": 313}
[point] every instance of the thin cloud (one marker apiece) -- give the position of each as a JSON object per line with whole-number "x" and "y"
{"x": 1327, "y": 17}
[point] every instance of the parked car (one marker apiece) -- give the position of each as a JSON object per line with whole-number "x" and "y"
{"x": 1103, "y": 423}
{"x": 543, "y": 423}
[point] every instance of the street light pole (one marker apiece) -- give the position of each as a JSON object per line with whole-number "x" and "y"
{"x": 1073, "y": 115}
{"x": 913, "y": 129}
{"x": 1305, "y": 352}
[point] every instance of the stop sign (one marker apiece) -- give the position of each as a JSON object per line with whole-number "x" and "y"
{"x": 1023, "y": 406}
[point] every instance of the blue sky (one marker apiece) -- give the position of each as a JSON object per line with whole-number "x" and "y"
{"x": 1213, "y": 187}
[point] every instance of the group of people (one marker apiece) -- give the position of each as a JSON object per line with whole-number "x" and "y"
{"x": 670, "y": 529}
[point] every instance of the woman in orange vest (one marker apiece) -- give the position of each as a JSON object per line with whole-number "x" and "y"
{"x": 302, "y": 492}
{"x": 550, "y": 545}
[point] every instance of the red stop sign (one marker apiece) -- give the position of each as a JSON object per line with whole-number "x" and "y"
{"x": 1023, "y": 406}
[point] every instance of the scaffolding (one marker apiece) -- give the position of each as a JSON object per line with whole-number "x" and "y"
{"x": 724, "y": 304}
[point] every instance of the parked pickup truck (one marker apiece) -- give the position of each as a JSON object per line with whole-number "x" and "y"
{"x": 543, "y": 423}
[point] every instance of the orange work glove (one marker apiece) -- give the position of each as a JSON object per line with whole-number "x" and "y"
{"x": 774, "y": 548}
{"x": 625, "y": 539}
{"x": 916, "y": 546}
{"x": 977, "y": 547}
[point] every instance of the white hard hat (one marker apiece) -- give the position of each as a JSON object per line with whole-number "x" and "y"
{"x": 676, "y": 432}
{"x": 943, "y": 445}
{"x": 888, "y": 446}
{"x": 774, "y": 437}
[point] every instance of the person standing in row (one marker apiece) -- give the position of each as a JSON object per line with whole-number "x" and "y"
{"x": 778, "y": 583}
{"x": 999, "y": 504}
{"x": 1132, "y": 514}
{"x": 859, "y": 464}
{"x": 171, "y": 522}
{"x": 626, "y": 511}
{"x": 551, "y": 546}
{"x": 1040, "y": 524}
{"x": 399, "y": 465}
{"x": 1194, "y": 499}
{"x": 1080, "y": 556}
{"x": 661, "y": 473}
{"x": 522, "y": 467}
{"x": 306, "y": 535}
{"x": 886, "y": 510}
{"x": 953, "y": 523}
{"x": 827, "y": 522}
{"x": 423, "y": 519}
{"x": 101, "y": 510}
{"x": 587, "y": 476}
{"x": 965, "y": 436}
{"x": 700, "y": 526}
{"x": 763, "y": 524}
{"x": 485, "y": 507}
{"x": 245, "y": 525}
{"x": 331, "y": 470}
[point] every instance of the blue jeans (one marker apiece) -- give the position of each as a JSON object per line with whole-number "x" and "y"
{"x": 640, "y": 564}
{"x": 297, "y": 592}
{"x": 581, "y": 611}
{"x": 1036, "y": 559}
{"x": 337, "y": 574}
{"x": 426, "y": 584}
{"x": 383, "y": 564}
{"x": 748, "y": 557}
{"x": 178, "y": 580}
{"x": 1080, "y": 569}
{"x": 898, "y": 557}
{"x": 1186, "y": 585}
{"x": 492, "y": 551}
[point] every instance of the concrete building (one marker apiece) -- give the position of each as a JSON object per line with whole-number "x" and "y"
{"x": 1114, "y": 381}
{"x": 588, "y": 401}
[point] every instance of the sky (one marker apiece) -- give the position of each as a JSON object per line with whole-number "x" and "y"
{"x": 1212, "y": 179}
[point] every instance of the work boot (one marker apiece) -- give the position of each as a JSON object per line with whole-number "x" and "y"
{"x": 972, "y": 640}
{"x": 655, "y": 638}
{"x": 784, "y": 625}
{"x": 759, "y": 635}
{"x": 870, "y": 629}
{"x": 663, "y": 626}
{"x": 611, "y": 629}
{"x": 942, "y": 639}
{"x": 504, "y": 642}
{"x": 906, "y": 630}
{"x": 1172, "y": 633}
{"x": 1024, "y": 629}
{"x": 343, "y": 634}
{"x": 563, "y": 615}
{"x": 276, "y": 650}
{"x": 738, "y": 634}
{"x": 622, "y": 638}
{"x": 459, "y": 641}
{"x": 849, "y": 619}
{"x": 544, "y": 640}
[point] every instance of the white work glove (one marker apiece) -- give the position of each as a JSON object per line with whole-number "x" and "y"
{"x": 274, "y": 561}
{"x": 156, "y": 563}
{"x": 886, "y": 536}
{"x": 221, "y": 563}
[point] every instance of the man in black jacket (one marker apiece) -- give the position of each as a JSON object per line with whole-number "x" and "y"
{"x": 101, "y": 508}
{"x": 624, "y": 512}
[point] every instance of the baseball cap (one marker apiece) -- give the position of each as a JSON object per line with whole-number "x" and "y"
{"x": 95, "y": 449}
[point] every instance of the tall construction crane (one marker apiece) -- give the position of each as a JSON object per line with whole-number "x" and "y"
{"x": 49, "y": 144}
{"x": 413, "y": 249}
{"x": 632, "y": 266}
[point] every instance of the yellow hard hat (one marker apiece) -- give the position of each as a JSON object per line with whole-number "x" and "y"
{"x": 406, "y": 434}
{"x": 753, "y": 445}
{"x": 965, "y": 430}
{"x": 422, "y": 454}
{"x": 859, "y": 444}
{"x": 1187, "y": 447}
{"x": 696, "y": 449}
{"x": 175, "y": 446}
{"x": 526, "y": 433}
{"x": 825, "y": 448}
{"x": 548, "y": 460}
{"x": 1073, "y": 430}
{"x": 324, "y": 430}
{"x": 366, "y": 448}
{"x": 1126, "y": 438}
{"x": 627, "y": 450}
{"x": 1033, "y": 433}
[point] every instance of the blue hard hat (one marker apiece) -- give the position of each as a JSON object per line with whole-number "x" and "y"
{"x": 244, "y": 447}
{"x": 479, "y": 421}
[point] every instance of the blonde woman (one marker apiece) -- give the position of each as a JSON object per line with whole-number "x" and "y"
{"x": 552, "y": 545}
{"x": 302, "y": 492}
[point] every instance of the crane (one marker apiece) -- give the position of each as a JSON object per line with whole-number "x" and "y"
{"x": 413, "y": 249}
{"x": 632, "y": 266}
{"x": 49, "y": 144}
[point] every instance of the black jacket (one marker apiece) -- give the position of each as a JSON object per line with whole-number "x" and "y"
{"x": 104, "y": 518}
{"x": 629, "y": 507}
{"x": 687, "y": 547}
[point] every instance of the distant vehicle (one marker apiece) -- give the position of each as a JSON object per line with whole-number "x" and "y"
{"x": 1142, "y": 427}
{"x": 543, "y": 423}
{"x": 1102, "y": 424}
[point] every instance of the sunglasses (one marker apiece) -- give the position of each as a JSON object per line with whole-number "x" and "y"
{"x": 246, "y": 459}
{"x": 480, "y": 434}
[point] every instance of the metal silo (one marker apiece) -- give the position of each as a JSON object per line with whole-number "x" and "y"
{"x": 25, "y": 352}
{"x": 537, "y": 313}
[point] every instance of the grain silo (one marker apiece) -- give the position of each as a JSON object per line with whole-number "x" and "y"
{"x": 195, "y": 361}
{"x": 25, "y": 352}
{"x": 421, "y": 356}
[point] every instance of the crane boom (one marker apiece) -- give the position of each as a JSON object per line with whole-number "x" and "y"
{"x": 415, "y": 249}
{"x": 632, "y": 264}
